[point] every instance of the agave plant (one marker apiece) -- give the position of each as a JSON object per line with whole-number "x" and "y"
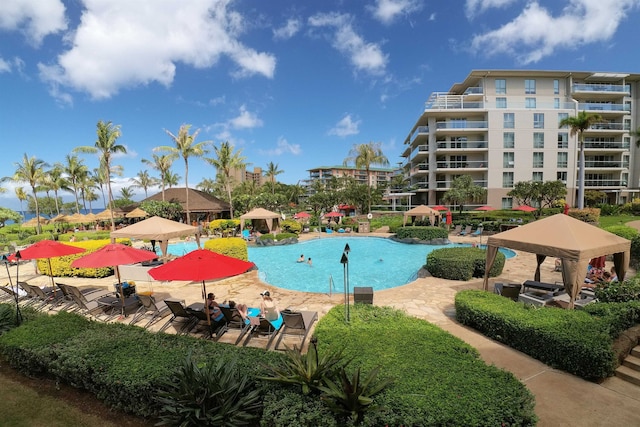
{"x": 351, "y": 396}
{"x": 210, "y": 395}
{"x": 307, "y": 370}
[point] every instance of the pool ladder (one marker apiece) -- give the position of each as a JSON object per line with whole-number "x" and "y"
{"x": 332, "y": 286}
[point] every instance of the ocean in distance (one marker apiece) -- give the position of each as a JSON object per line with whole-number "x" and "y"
{"x": 27, "y": 215}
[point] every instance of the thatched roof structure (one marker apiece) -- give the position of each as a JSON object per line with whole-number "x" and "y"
{"x": 199, "y": 202}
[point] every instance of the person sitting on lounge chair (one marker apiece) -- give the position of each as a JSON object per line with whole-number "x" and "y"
{"x": 214, "y": 311}
{"x": 268, "y": 307}
{"x": 243, "y": 311}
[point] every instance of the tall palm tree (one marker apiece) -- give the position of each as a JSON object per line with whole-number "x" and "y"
{"x": 75, "y": 170}
{"x": 207, "y": 185}
{"x": 57, "y": 182}
{"x": 365, "y": 155}
{"x": 162, "y": 163}
{"x": 578, "y": 125}
{"x": 271, "y": 173}
{"x": 22, "y": 196}
{"x": 98, "y": 176}
{"x": 171, "y": 179}
{"x": 31, "y": 171}
{"x": 126, "y": 193}
{"x": 143, "y": 180}
{"x": 185, "y": 147}
{"x": 227, "y": 160}
{"x": 106, "y": 146}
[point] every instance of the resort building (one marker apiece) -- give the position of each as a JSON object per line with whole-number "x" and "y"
{"x": 242, "y": 175}
{"x": 501, "y": 127}
{"x": 377, "y": 176}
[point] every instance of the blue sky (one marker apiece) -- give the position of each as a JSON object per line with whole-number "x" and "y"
{"x": 294, "y": 83}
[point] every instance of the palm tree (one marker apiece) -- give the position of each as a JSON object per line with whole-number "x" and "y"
{"x": 106, "y": 146}
{"x": 57, "y": 182}
{"x": 171, "y": 179}
{"x": 271, "y": 173}
{"x": 75, "y": 171}
{"x": 31, "y": 171}
{"x": 578, "y": 125}
{"x": 98, "y": 177}
{"x": 143, "y": 180}
{"x": 207, "y": 185}
{"x": 22, "y": 196}
{"x": 162, "y": 163}
{"x": 126, "y": 193}
{"x": 227, "y": 160}
{"x": 365, "y": 155}
{"x": 185, "y": 147}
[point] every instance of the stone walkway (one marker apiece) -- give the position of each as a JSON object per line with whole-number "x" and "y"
{"x": 561, "y": 399}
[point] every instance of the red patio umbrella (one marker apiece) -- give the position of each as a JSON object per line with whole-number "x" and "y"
{"x": 47, "y": 249}
{"x": 440, "y": 208}
{"x": 302, "y": 214}
{"x": 201, "y": 265}
{"x": 484, "y": 208}
{"x": 113, "y": 255}
{"x": 525, "y": 208}
{"x": 333, "y": 215}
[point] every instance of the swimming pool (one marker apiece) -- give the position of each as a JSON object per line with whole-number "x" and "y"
{"x": 373, "y": 261}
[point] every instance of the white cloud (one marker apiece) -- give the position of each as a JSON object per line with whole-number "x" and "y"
{"x": 245, "y": 120}
{"x": 364, "y": 56}
{"x": 283, "y": 147}
{"x": 476, "y": 7}
{"x": 36, "y": 19}
{"x": 386, "y": 11}
{"x": 217, "y": 100}
{"x": 127, "y": 44}
{"x": 346, "y": 126}
{"x": 534, "y": 34}
{"x": 287, "y": 31}
{"x": 5, "y": 67}
{"x": 432, "y": 17}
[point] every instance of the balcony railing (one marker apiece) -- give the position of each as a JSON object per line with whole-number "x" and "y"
{"x": 446, "y": 101}
{"x": 422, "y": 184}
{"x": 593, "y": 145}
{"x": 603, "y": 183}
{"x": 602, "y": 164}
{"x": 420, "y": 130}
{"x": 597, "y": 106}
{"x": 462, "y": 125}
{"x": 454, "y": 145}
{"x": 475, "y": 90}
{"x": 601, "y": 87}
{"x": 444, "y": 184}
{"x": 470, "y": 164}
{"x": 609, "y": 126}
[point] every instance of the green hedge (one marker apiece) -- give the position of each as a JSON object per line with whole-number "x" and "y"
{"x": 570, "y": 340}
{"x": 278, "y": 237}
{"x": 235, "y": 247}
{"x": 622, "y": 231}
{"x": 422, "y": 233}
{"x": 462, "y": 263}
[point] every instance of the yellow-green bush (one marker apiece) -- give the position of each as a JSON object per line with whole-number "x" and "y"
{"x": 61, "y": 266}
{"x": 230, "y": 246}
{"x": 589, "y": 215}
{"x": 223, "y": 224}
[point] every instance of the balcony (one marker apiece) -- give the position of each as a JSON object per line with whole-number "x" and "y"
{"x": 604, "y": 107}
{"x": 446, "y": 101}
{"x": 475, "y": 90}
{"x": 420, "y": 131}
{"x": 421, "y": 184}
{"x": 603, "y": 164}
{"x": 612, "y": 145}
{"x": 469, "y": 164}
{"x": 602, "y": 87}
{"x": 616, "y": 126}
{"x": 462, "y": 145}
{"x": 446, "y": 184}
{"x": 600, "y": 183}
{"x": 462, "y": 124}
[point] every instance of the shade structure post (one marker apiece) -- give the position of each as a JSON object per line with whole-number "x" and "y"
{"x": 15, "y": 296}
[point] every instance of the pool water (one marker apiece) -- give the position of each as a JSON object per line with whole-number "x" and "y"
{"x": 373, "y": 261}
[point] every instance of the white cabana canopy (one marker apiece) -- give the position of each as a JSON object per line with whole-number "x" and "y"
{"x": 567, "y": 238}
{"x": 158, "y": 228}
{"x": 421, "y": 211}
{"x": 261, "y": 214}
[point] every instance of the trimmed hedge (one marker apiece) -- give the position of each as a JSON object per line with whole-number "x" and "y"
{"x": 462, "y": 263}
{"x": 623, "y": 231}
{"x": 422, "y": 233}
{"x": 61, "y": 266}
{"x": 235, "y": 247}
{"x": 570, "y": 340}
{"x": 278, "y": 237}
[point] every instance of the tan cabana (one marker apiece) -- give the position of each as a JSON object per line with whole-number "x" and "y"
{"x": 76, "y": 218}
{"x": 90, "y": 217}
{"x": 33, "y": 222}
{"x": 561, "y": 236}
{"x": 272, "y": 219}
{"x": 59, "y": 218}
{"x": 105, "y": 215}
{"x": 423, "y": 212}
{"x": 137, "y": 213}
{"x": 159, "y": 229}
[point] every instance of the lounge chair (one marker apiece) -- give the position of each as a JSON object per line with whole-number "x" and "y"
{"x": 264, "y": 328}
{"x": 296, "y": 323}
{"x": 41, "y": 297}
{"x": 477, "y": 232}
{"x": 457, "y": 230}
{"x": 201, "y": 323}
{"x": 236, "y": 321}
{"x": 246, "y": 234}
{"x": 466, "y": 231}
{"x": 84, "y": 305}
{"x": 154, "y": 310}
{"x": 180, "y": 319}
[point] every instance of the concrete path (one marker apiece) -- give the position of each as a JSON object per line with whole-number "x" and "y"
{"x": 561, "y": 399}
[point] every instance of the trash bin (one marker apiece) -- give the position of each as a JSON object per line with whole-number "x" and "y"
{"x": 363, "y": 227}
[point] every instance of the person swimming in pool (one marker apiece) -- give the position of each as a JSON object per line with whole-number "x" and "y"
{"x": 301, "y": 259}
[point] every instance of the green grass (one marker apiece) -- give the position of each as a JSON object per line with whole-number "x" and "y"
{"x": 606, "y": 221}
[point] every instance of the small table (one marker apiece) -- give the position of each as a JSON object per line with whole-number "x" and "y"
{"x": 196, "y": 306}
{"x": 549, "y": 287}
{"x": 363, "y": 294}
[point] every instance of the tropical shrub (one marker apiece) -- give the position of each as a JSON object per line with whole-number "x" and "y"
{"x": 462, "y": 263}
{"x": 628, "y": 290}
{"x": 623, "y": 231}
{"x": 421, "y": 232}
{"x": 230, "y": 246}
{"x": 291, "y": 226}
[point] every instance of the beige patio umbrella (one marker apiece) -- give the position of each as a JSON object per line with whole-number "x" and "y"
{"x": 76, "y": 218}
{"x": 90, "y": 217}
{"x": 59, "y": 218}
{"x": 33, "y": 222}
{"x": 106, "y": 215}
{"x": 137, "y": 213}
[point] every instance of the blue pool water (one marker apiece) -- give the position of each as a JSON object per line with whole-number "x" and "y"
{"x": 373, "y": 261}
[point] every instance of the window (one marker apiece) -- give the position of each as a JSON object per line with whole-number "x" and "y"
{"x": 529, "y": 103}
{"x": 538, "y": 160}
{"x": 508, "y": 140}
{"x": 626, "y": 142}
{"x": 537, "y": 177}
{"x": 627, "y": 124}
{"x": 507, "y": 179}
{"x": 625, "y": 161}
{"x": 509, "y": 121}
{"x": 529, "y": 86}
{"x": 556, "y": 103}
{"x": 538, "y": 120}
{"x": 507, "y": 203}
{"x": 538, "y": 140}
{"x": 508, "y": 160}
{"x": 556, "y": 87}
{"x": 562, "y": 176}
{"x": 563, "y": 140}
{"x": 625, "y": 179}
{"x": 563, "y": 160}
{"x": 501, "y": 102}
{"x": 501, "y": 86}
{"x": 561, "y": 117}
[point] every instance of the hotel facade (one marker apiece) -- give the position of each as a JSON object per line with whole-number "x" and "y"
{"x": 501, "y": 127}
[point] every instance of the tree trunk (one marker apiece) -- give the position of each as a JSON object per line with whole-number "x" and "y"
{"x": 35, "y": 199}
{"x": 581, "y": 176}
{"x": 186, "y": 186}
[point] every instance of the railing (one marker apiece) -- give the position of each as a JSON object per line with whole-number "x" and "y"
{"x": 473, "y": 164}
{"x": 601, "y": 87}
{"x": 420, "y": 130}
{"x": 603, "y": 183}
{"x": 422, "y": 184}
{"x": 597, "y": 106}
{"x": 602, "y": 164}
{"x": 444, "y": 184}
{"x": 454, "y": 145}
{"x": 332, "y": 286}
{"x": 461, "y": 124}
{"x": 606, "y": 145}
{"x": 609, "y": 126}
{"x": 446, "y": 101}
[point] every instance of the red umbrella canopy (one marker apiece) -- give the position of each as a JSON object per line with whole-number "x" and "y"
{"x": 49, "y": 249}
{"x": 524, "y": 208}
{"x": 484, "y": 208}
{"x": 113, "y": 254}
{"x": 201, "y": 265}
{"x": 302, "y": 214}
{"x": 440, "y": 208}
{"x": 333, "y": 214}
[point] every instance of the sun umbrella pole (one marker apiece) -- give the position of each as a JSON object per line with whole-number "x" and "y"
{"x": 53, "y": 284}
{"x": 206, "y": 304}
{"x": 121, "y": 288}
